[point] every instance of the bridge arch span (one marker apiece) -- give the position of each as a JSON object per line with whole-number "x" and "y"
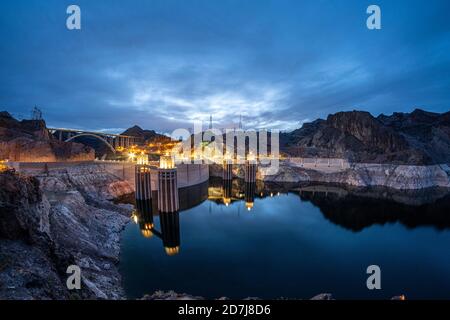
{"x": 95, "y": 136}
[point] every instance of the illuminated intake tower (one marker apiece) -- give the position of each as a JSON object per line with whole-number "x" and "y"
{"x": 167, "y": 186}
{"x": 143, "y": 182}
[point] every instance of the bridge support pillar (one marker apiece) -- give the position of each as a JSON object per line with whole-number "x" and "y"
{"x": 143, "y": 182}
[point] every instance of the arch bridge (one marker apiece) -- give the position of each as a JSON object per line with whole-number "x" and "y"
{"x": 113, "y": 141}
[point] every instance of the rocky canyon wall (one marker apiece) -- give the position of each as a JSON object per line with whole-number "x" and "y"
{"x": 30, "y": 141}
{"x": 358, "y": 174}
{"x": 53, "y": 220}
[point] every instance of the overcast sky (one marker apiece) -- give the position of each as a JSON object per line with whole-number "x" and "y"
{"x": 164, "y": 64}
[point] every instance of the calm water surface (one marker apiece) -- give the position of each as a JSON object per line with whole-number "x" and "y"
{"x": 292, "y": 244}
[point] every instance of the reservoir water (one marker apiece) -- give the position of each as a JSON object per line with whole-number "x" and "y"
{"x": 271, "y": 241}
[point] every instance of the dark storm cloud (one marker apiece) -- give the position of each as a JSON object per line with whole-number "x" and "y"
{"x": 164, "y": 64}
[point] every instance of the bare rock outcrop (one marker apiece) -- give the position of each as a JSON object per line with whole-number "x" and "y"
{"x": 29, "y": 141}
{"x": 417, "y": 138}
{"x": 90, "y": 178}
{"x": 50, "y": 222}
{"x": 366, "y": 175}
{"x": 405, "y": 177}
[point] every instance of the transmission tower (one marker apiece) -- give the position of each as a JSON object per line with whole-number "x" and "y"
{"x": 36, "y": 113}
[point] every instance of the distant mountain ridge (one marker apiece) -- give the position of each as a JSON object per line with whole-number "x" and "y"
{"x": 419, "y": 137}
{"x": 147, "y": 135}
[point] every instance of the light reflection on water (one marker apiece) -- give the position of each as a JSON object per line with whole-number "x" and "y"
{"x": 237, "y": 240}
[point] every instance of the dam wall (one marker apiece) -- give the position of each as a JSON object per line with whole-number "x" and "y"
{"x": 188, "y": 174}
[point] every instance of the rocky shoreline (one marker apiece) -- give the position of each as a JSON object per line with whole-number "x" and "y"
{"x": 401, "y": 177}
{"x": 172, "y": 295}
{"x": 51, "y": 221}
{"x": 68, "y": 217}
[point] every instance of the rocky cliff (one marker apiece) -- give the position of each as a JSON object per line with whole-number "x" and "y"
{"x": 49, "y": 222}
{"x": 415, "y": 138}
{"x": 29, "y": 141}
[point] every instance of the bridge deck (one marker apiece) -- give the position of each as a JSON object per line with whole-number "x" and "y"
{"x": 78, "y": 131}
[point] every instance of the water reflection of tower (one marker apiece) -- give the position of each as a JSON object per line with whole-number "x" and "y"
{"x": 144, "y": 214}
{"x": 249, "y": 192}
{"x": 170, "y": 230}
{"x": 168, "y": 205}
{"x": 250, "y": 183}
{"x": 227, "y": 186}
{"x": 227, "y": 181}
